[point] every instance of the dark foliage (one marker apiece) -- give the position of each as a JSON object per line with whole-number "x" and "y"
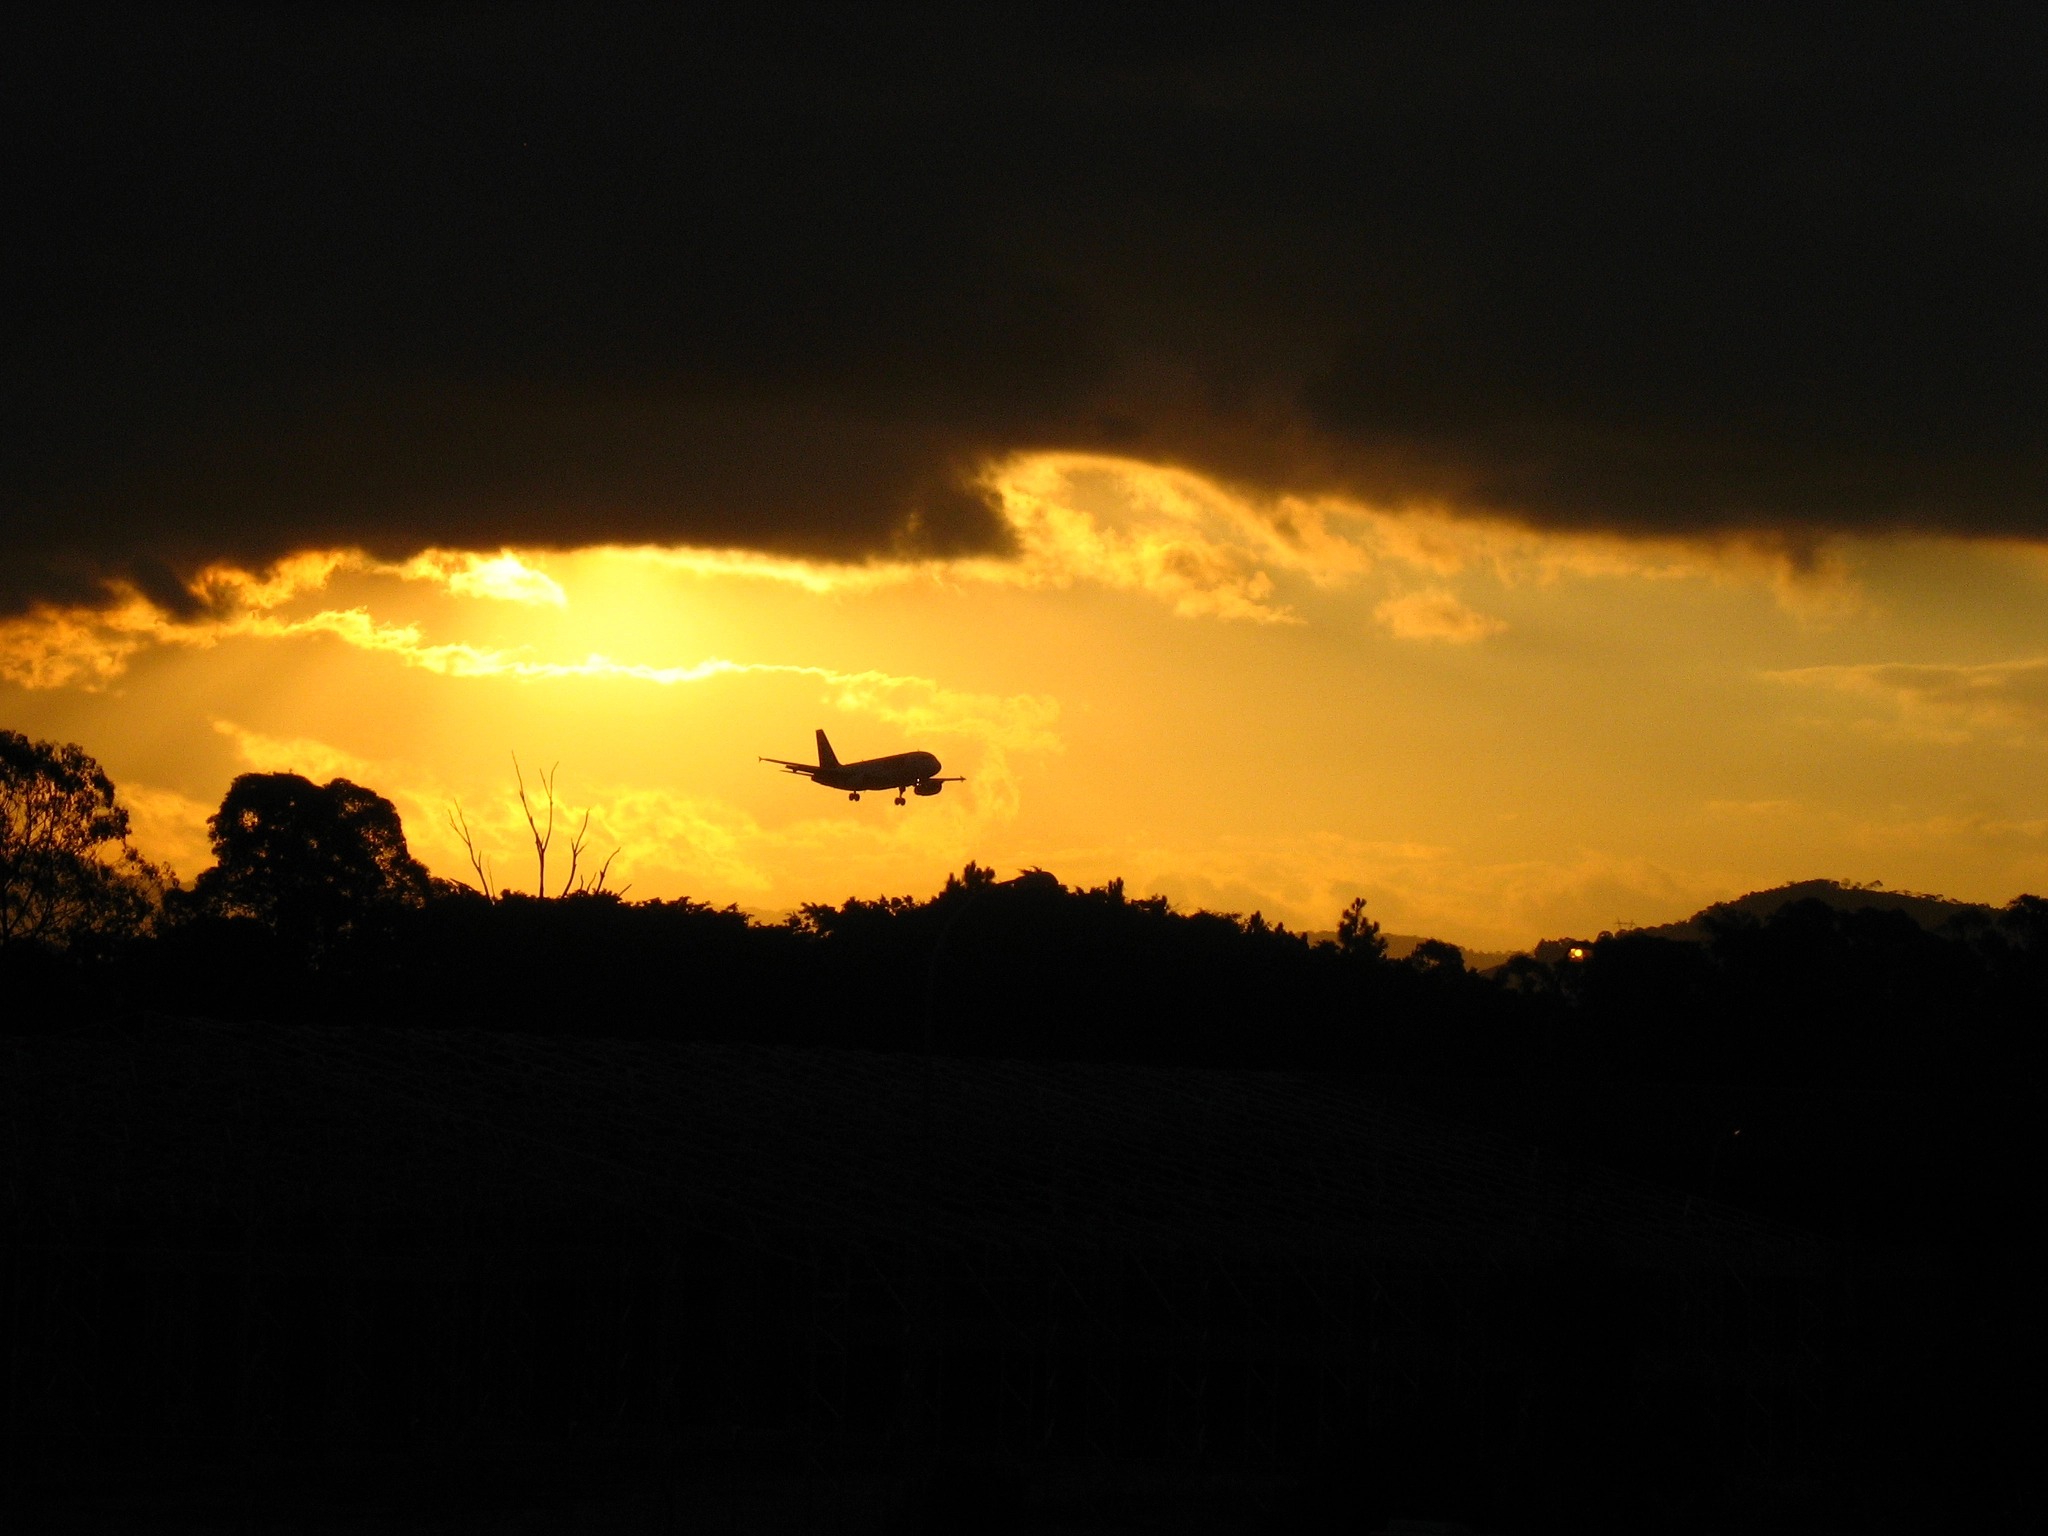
{"x": 322, "y": 869}
{"x": 316, "y": 909}
{"x": 1812, "y": 997}
{"x": 68, "y": 879}
{"x": 315, "y": 882}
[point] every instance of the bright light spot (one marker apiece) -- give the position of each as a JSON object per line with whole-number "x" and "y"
{"x": 503, "y": 577}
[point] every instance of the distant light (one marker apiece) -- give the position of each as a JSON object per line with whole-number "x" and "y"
{"x": 1577, "y": 953}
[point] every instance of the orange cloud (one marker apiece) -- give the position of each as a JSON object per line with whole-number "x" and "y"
{"x": 1435, "y": 615}
{"x": 2005, "y": 701}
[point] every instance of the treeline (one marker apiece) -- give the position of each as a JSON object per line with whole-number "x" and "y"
{"x": 315, "y": 909}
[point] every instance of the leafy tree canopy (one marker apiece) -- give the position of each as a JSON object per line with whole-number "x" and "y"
{"x": 318, "y": 864}
{"x": 67, "y": 874}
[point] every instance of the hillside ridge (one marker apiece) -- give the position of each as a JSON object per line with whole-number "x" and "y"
{"x": 1930, "y": 911}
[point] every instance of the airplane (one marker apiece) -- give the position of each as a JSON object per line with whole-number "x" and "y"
{"x": 917, "y": 771}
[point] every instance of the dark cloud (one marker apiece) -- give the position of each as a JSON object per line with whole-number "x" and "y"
{"x": 530, "y": 276}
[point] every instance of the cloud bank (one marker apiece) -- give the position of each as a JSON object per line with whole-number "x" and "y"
{"x": 2002, "y": 702}
{"x": 405, "y": 282}
{"x": 1204, "y": 549}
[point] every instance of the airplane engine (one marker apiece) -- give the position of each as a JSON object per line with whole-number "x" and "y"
{"x": 929, "y": 786}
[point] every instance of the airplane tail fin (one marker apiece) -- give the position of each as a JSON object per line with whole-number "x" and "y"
{"x": 826, "y": 757}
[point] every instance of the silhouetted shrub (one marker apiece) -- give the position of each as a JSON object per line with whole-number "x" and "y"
{"x": 321, "y": 866}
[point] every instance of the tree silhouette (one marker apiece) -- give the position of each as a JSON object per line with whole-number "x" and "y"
{"x": 67, "y": 874}
{"x": 1435, "y": 957}
{"x": 318, "y": 865}
{"x": 1358, "y": 934}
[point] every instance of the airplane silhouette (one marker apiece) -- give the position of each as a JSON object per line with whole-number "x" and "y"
{"x": 918, "y": 771}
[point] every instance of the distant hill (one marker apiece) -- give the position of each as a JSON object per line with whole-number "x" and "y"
{"x": 1930, "y": 912}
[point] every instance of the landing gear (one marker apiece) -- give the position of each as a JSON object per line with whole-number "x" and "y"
{"x": 854, "y": 796}
{"x": 899, "y": 797}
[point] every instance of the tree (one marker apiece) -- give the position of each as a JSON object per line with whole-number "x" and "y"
{"x": 67, "y": 874}
{"x": 975, "y": 876}
{"x": 1358, "y": 934}
{"x": 1433, "y": 957}
{"x": 318, "y": 864}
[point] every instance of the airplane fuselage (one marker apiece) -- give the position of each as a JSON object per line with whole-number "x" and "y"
{"x": 898, "y": 772}
{"x": 918, "y": 771}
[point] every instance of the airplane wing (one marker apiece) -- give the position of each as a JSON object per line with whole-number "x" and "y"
{"x": 792, "y": 767}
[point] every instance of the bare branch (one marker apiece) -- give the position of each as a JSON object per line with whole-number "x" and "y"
{"x": 575, "y": 854}
{"x": 541, "y": 836}
{"x": 542, "y": 827}
{"x": 460, "y": 824}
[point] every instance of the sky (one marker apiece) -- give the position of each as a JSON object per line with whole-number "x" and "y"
{"x": 1534, "y": 474}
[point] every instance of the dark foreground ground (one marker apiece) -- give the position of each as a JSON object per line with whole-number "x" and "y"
{"x": 340, "y": 1278}
{"x": 1029, "y": 1500}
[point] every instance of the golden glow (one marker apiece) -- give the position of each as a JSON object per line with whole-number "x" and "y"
{"x": 1493, "y": 734}
{"x": 2000, "y": 701}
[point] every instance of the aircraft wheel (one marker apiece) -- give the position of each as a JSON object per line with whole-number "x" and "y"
{"x": 899, "y": 800}
{"x": 854, "y": 796}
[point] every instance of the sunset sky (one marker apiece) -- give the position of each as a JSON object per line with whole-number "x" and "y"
{"x": 1531, "y": 478}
